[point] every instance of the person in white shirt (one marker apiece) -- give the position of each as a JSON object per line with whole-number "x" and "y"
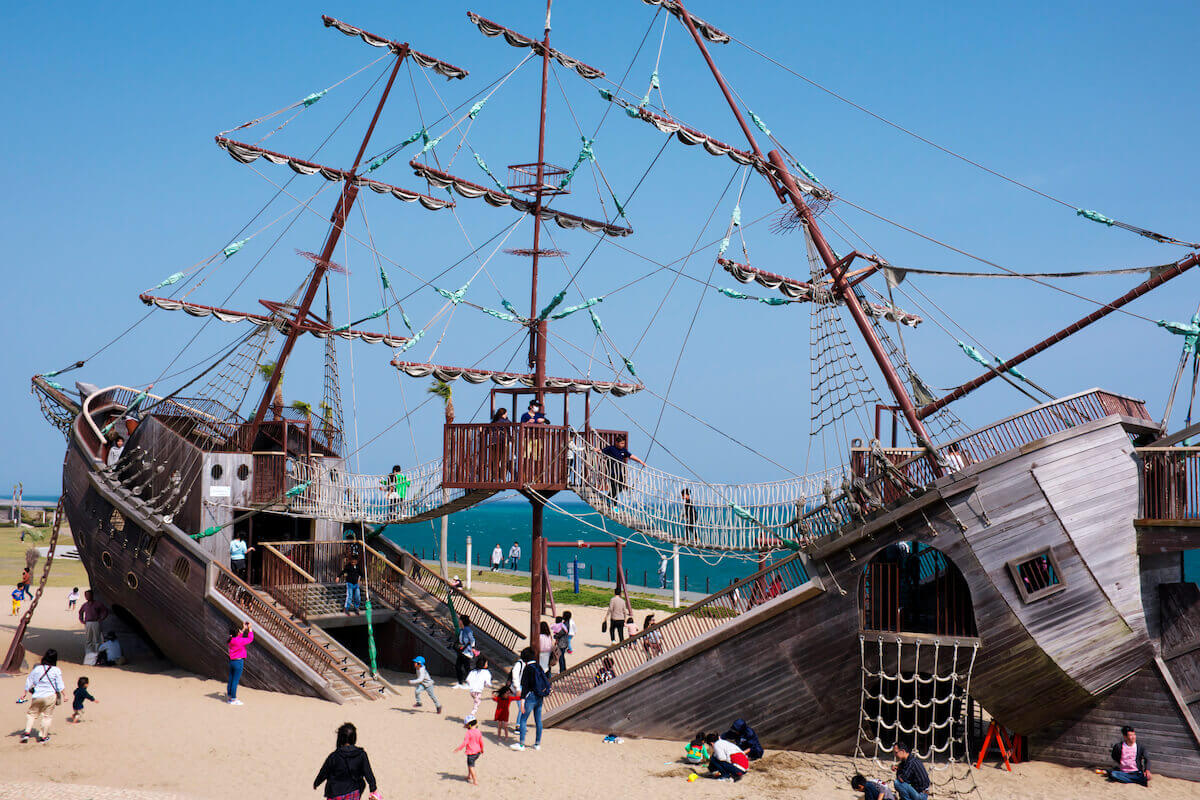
{"x": 727, "y": 759}
{"x": 497, "y": 557}
{"x": 478, "y": 680}
{"x": 114, "y": 452}
{"x": 111, "y": 648}
{"x": 237, "y": 555}
{"x": 45, "y": 684}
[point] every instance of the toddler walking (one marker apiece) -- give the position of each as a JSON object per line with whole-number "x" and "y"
{"x": 478, "y": 680}
{"x": 72, "y": 598}
{"x": 472, "y": 745}
{"x": 18, "y": 594}
{"x": 423, "y": 683}
{"x": 81, "y": 694}
{"x": 503, "y": 700}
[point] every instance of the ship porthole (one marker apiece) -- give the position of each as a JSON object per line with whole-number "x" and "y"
{"x": 131, "y": 580}
{"x": 216, "y": 472}
{"x": 243, "y": 472}
{"x": 106, "y": 558}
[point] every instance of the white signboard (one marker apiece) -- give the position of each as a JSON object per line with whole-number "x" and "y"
{"x": 220, "y": 491}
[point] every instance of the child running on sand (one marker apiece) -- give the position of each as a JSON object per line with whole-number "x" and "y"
{"x": 472, "y": 745}
{"x": 423, "y": 683}
{"x": 72, "y": 598}
{"x": 478, "y": 680}
{"x": 81, "y": 694}
{"x": 18, "y": 595}
{"x": 503, "y": 700}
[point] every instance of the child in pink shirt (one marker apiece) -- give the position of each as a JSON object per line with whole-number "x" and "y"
{"x": 472, "y": 745}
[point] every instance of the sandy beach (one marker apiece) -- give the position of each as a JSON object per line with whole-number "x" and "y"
{"x": 161, "y": 732}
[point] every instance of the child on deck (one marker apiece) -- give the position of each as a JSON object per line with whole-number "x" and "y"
{"x": 696, "y": 751}
{"x": 18, "y": 595}
{"x": 72, "y": 598}
{"x": 423, "y": 683}
{"x": 81, "y": 694}
{"x": 472, "y": 745}
{"x": 503, "y": 700}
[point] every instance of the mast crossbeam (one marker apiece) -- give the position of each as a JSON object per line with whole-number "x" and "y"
{"x": 398, "y": 48}
{"x": 492, "y": 29}
{"x": 805, "y": 291}
{"x": 493, "y": 197}
{"x": 247, "y": 153}
{"x": 279, "y": 321}
{"x": 472, "y": 375}
{"x": 705, "y": 29}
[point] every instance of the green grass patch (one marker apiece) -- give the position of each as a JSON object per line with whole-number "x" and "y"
{"x": 12, "y": 559}
{"x": 590, "y": 596}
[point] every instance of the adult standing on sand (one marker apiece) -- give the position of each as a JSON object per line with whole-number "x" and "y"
{"x": 91, "y": 614}
{"x": 614, "y": 617}
{"x": 347, "y": 770}
{"x": 239, "y": 638}
{"x": 45, "y": 684}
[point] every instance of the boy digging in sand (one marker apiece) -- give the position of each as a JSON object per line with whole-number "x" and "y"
{"x": 472, "y": 745}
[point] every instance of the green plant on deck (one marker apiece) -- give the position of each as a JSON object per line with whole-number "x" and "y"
{"x": 303, "y": 407}
{"x": 326, "y": 413}
{"x": 266, "y": 371}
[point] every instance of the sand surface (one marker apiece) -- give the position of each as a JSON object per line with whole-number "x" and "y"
{"x": 160, "y": 732}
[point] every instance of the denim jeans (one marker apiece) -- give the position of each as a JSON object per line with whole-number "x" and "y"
{"x": 1117, "y": 776}
{"x": 907, "y": 792}
{"x": 236, "y": 665}
{"x": 725, "y": 768}
{"x": 533, "y": 703}
{"x": 353, "y": 596}
{"x": 429, "y": 691}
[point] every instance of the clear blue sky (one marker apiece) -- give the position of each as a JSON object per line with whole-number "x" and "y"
{"x": 115, "y": 184}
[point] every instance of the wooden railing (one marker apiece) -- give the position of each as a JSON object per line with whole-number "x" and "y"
{"x": 284, "y": 580}
{"x": 697, "y": 619}
{"x": 1170, "y": 483}
{"x": 509, "y": 456}
{"x": 270, "y": 620}
{"x": 433, "y": 585}
{"x": 320, "y": 563}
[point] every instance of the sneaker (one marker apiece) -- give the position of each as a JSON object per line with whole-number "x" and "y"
{"x": 416, "y": 705}
{"x": 43, "y": 739}
{"x": 236, "y": 702}
{"x": 439, "y": 709}
{"x": 516, "y": 746}
{"x": 537, "y": 747}
{"x": 24, "y": 738}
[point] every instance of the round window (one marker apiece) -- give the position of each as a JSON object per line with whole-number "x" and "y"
{"x": 106, "y": 558}
{"x": 217, "y": 472}
{"x": 131, "y": 580}
{"x": 243, "y": 472}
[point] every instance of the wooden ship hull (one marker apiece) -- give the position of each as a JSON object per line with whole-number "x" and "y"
{"x": 1067, "y": 667}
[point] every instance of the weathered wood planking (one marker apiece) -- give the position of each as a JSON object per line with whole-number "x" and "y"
{"x": 1084, "y": 739}
{"x": 797, "y": 676}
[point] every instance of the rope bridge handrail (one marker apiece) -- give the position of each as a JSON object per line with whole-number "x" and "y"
{"x": 681, "y": 627}
{"x": 330, "y": 492}
{"x": 745, "y": 517}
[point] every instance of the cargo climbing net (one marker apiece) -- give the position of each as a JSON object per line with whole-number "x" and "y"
{"x": 916, "y": 692}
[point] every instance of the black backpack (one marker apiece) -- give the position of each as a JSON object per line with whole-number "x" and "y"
{"x": 541, "y": 682}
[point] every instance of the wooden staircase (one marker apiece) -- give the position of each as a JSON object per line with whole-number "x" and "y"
{"x": 349, "y": 665}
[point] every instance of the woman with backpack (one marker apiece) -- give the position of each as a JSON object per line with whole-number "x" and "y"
{"x": 347, "y": 770}
{"x": 535, "y": 687}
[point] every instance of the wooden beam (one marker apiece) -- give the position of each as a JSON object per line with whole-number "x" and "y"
{"x": 1167, "y": 536}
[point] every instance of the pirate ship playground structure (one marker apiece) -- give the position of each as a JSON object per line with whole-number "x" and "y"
{"x": 1032, "y": 566}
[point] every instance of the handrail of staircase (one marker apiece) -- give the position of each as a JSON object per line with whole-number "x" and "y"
{"x": 438, "y": 587}
{"x": 388, "y": 580}
{"x": 280, "y": 576}
{"x": 681, "y": 627}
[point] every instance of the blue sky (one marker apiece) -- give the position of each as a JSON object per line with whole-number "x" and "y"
{"x": 115, "y": 184}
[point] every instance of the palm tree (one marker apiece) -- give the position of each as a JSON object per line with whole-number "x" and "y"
{"x": 442, "y": 389}
{"x": 265, "y": 371}
{"x": 303, "y": 407}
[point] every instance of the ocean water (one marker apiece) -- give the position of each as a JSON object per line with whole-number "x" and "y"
{"x": 507, "y": 520}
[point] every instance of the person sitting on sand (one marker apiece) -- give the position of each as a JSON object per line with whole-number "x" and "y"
{"x": 347, "y": 770}
{"x": 727, "y": 761}
{"x": 1133, "y": 762}
{"x": 872, "y": 790}
{"x": 741, "y": 734}
{"x": 696, "y": 751}
{"x": 912, "y": 781}
{"x": 606, "y": 672}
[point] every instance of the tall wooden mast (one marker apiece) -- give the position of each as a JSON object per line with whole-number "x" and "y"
{"x": 837, "y": 269}
{"x": 340, "y": 212}
{"x": 537, "y": 349}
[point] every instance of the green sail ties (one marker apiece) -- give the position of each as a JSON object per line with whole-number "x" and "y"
{"x": 509, "y": 307}
{"x": 456, "y": 296}
{"x": 483, "y": 166}
{"x": 379, "y": 161}
{"x": 297, "y": 490}
{"x": 383, "y": 278}
{"x": 230, "y": 249}
{"x": 429, "y": 144}
{"x": 742, "y": 513}
{"x": 407, "y": 321}
{"x": 174, "y": 277}
{"x": 762, "y": 126}
{"x": 629, "y": 366}
{"x": 599, "y": 326}
{"x": 211, "y": 531}
{"x": 569, "y": 310}
{"x": 605, "y": 94}
{"x": 585, "y": 154}
{"x": 553, "y": 304}
{"x": 770, "y": 301}
{"x": 1095, "y": 216}
{"x": 1190, "y": 333}
{"x": 475, "y": 109}
{"x": 313, "y": 98}
{"x": 975, "y": 355}
{"x": 500, "y": 314}
{"x": 417, "y": 336}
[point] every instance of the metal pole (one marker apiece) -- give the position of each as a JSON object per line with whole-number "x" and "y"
{"x": 341, "y": 211}
{"x": 1154, "y": 282}
{"x": 468, "y": 563}
{"x": 675, "y": 586}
